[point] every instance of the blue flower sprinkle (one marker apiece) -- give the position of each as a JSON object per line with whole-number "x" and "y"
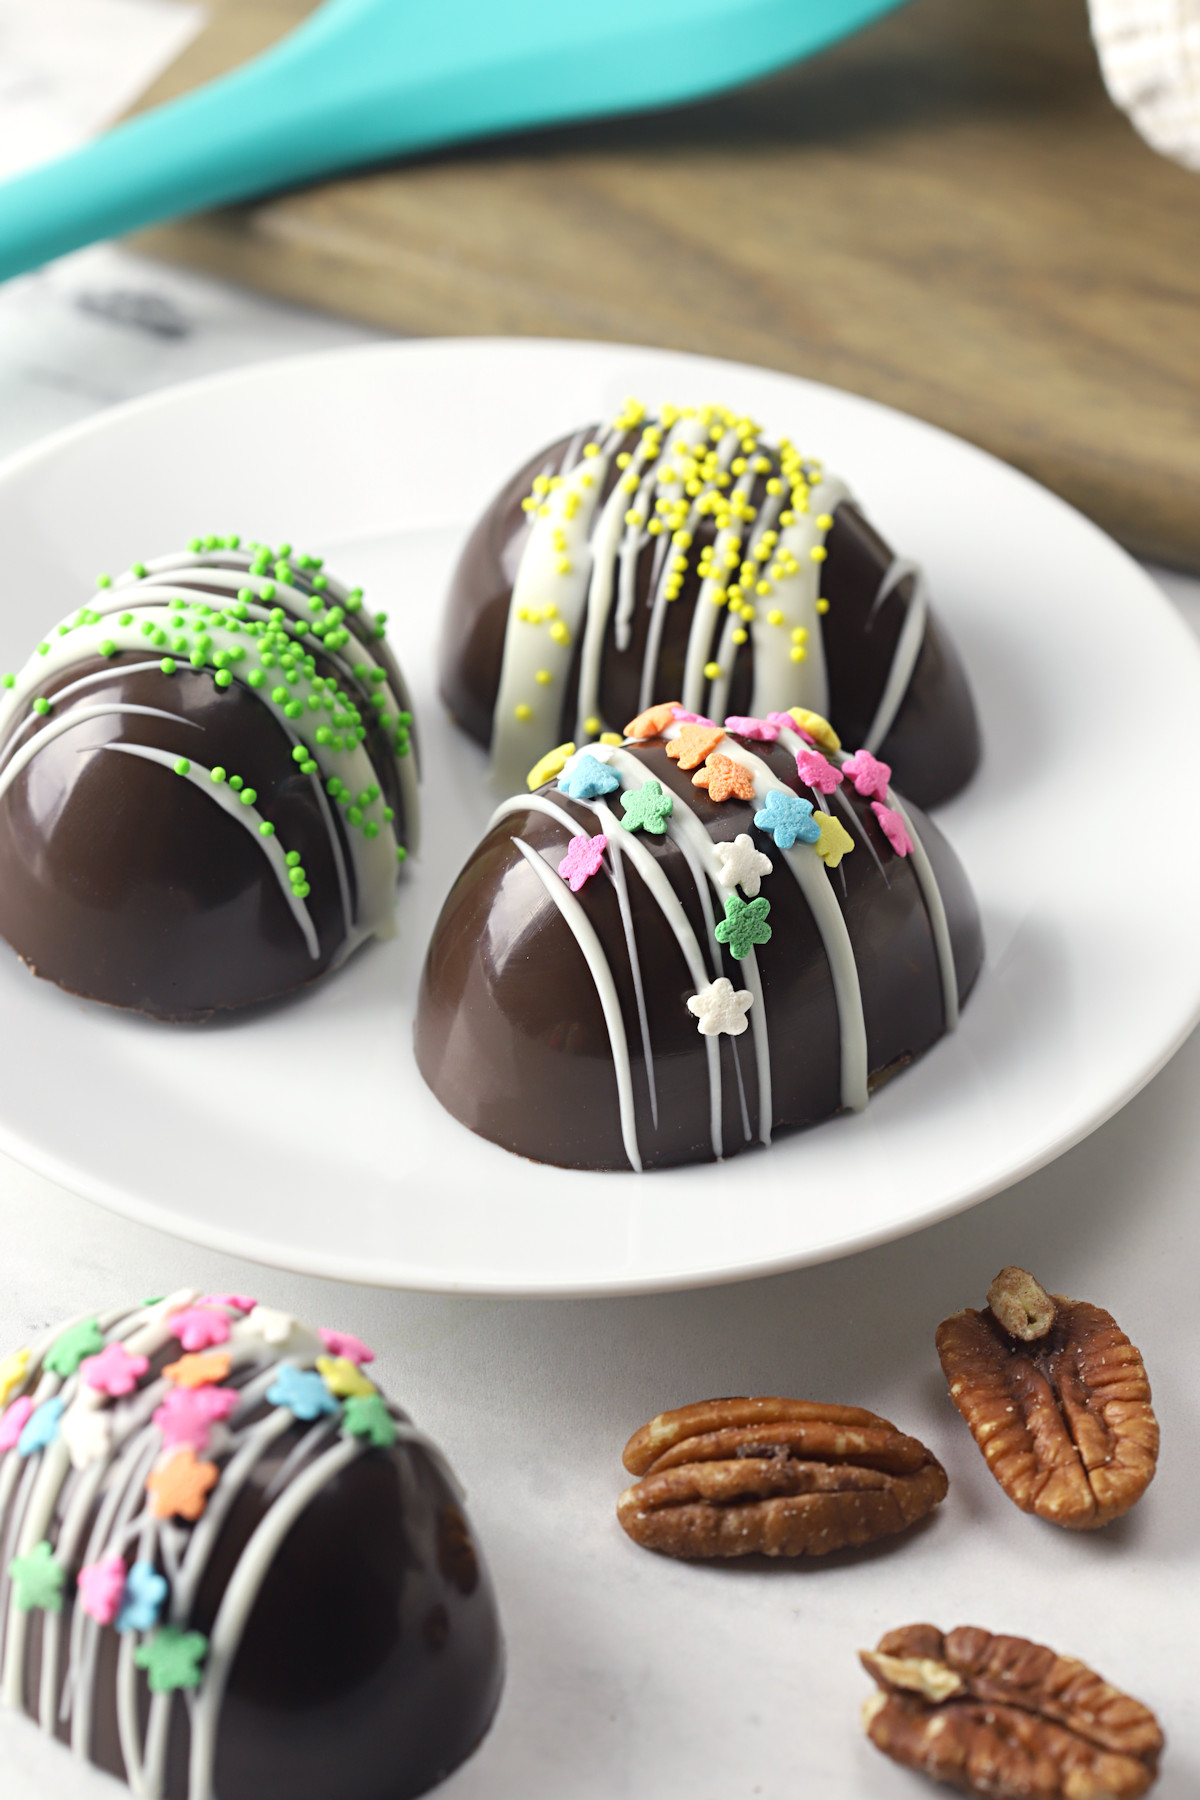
{"x": 302, "y": 1391}
{"x": 588, "y": 778}
{"x": 787, "y": 818}
{"x": 141, "y": 1602}
{"x": 41, "y": 1427}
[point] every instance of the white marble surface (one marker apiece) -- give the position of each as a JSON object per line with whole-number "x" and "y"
{"x": 629, "y": 1676}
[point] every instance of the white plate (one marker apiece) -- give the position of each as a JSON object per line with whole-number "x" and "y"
{"x": 305, "y": 1137}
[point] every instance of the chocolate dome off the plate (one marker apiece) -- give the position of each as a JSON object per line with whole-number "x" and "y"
{"x": 206, "y": 783}
{"x": 684, "y": 554}
{"x": 696, "y": 940}
{"x": 232, "y": 1570}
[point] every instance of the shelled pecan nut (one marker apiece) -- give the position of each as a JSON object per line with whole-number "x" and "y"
{"x": 1057, "y": 1399}
{"x": 1006, "y": 1718}
{"x": 774, "y": 1477}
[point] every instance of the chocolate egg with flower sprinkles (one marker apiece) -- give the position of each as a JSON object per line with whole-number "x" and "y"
{"x": 208, "y": 783}
{"x": 684, "y": 552}
{"x": 685, "y": 944}
{"x": 236, "y": 1571}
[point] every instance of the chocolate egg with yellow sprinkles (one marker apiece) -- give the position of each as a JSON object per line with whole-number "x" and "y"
{"x": 208, "y": 783}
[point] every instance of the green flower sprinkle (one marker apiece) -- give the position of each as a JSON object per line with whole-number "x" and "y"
{"x": 37, "y": 1580}
{"x": 71, "y": 1346}
{"x": 172, "y": 1658}
{"x": 366, "y": 1415}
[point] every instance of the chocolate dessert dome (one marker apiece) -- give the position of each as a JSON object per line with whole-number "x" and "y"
{"x": 688, "y": 943}
{"x": 207, "y": 783}
{"x": 233, "y": 1570}
{"x": 684, "y": 553}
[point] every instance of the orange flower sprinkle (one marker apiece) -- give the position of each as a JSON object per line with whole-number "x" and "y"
{"x": 653, "y": 722}
{"x": 725, "y": 779}
{"x": 181, "y": 1486}
{"x": 199, "y": 1369}
{"x": 693, "y": 744}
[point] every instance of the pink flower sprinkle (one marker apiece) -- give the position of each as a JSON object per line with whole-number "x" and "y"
{"x": 14, "y": 1420}
{"x": 687, "y": 718}
{"x": 187, "y": 1414}
{"x": 761, "y": 729}
{"x": 869, "y": 775}
{"x": 583, "y": 860}
{"x": 893, "y": 828}
{"x": 344, "y": 1343}
{"x": 114, "y": 1371}
{"x": 241, "y": 1302}
{"x": 101, "y": 1586}
{"x": 785, "y": 722}
{"x": 817, "y": 772}
{"x": 199, "y": 1327}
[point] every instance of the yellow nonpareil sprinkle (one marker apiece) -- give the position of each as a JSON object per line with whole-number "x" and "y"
{"x": 739, "y": 636}
{"x": 543, "y": 678}
{"x": 799, "y": 653}
{"x": 800, "y": 634}
{"x": 774, "y": 617}
{"x": 559, "y": 632}
{"x": 774, "y": 486}
{"x": 822, "y": 606}
{"x": 541, "y": 484}
{"x": 523, "y": 712}
{"x": 544, "y": 510}
{"x": 818, "y": 553}
{"x": 593, "y": 725}
{"x": 682, "y": 540}
{"x": 624, "y": 460}
{"x": 788, "y": 517}
{"x": 738, "y": 466}
{"x": 712, "y": 670}
{"x": 719, "y": 596}
{"x": 563, "y": 565}
{"x": 762, "y": 587}
{"x": 550, "y": 611}
{"x": 824, "y": 521}
{"x": 591, "y": 449}
{"x": 655, "y": 527}
{"x": 529, "y": 504}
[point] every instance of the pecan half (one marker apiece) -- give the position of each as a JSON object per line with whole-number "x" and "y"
{"x": 773, "y": 1477}
{"x": 1057, "y": 1399}
{"x": 1006, "y": 1718}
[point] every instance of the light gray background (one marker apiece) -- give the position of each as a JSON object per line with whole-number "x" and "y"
{"x": 628, "y": 1675}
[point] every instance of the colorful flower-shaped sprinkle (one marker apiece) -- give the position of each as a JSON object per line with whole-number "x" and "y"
{"x": 725, "y": 779}
{"x": 344, "y": 1343}
{"x": 87, "y": 1431}
{"x": 14, "y": 1421}
{"x": 271, "y": 1325}
{"x": 869, "y": 775}
{"x": 12, "y": 1372}
{"x": 101, "y": 1586}
{"x": 180, "y": 1486}
{"x": 690, "y": 718}
{"x": 786, "y": 817}
{"x": 785, "y": 722}
{"x": 115, "y": 1371}
{"x": 653, "y": 722}
{"x": 587, "y": 778}
{"x": 366, "y": 1415}
{"x": 172, "y": 1659}
{"x": 141, "y": 1603}
{"x": 744, "y": 925}
{"x": 893, "y": 827}
{"x": 37, "y": 1580}
{"x": 240, "y": 1302}
{"x": 815, "y": 771}
{"x": 721, "y": 1007}
{"x": 647, "y": 808}
{"x": 834, "y": 841}
{"x": 584, "y": 858}
{"x": 694, "y": 743}
{"x": 302, "y": 1391}
{"x": 549, "y": 766}
{"x": 742, "y": 864}
{"x": 199, "y": 1327}
{"x": 42, "y": 1428}
{"x": 71, "y": 1346}
{"x": 199, "y": 1371}
{"x": 818, "y": 729}
{"x": 187, "y": 1415}
{"x": 761, "y": 730}
{"x": 343, "y": 1377}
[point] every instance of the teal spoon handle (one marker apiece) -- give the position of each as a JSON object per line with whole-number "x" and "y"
{"x": 365, "y": 80}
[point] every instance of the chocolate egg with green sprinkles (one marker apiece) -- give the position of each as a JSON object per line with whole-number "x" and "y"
{"x": 208, "y": 783}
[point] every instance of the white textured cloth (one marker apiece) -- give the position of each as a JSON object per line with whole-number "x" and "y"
{"x": 1150, "y": 57}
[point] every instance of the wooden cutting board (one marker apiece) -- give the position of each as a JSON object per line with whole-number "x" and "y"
{"x": 945, "y": 213}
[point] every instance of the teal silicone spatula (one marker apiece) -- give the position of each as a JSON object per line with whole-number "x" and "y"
{"x": 361, "y": 81}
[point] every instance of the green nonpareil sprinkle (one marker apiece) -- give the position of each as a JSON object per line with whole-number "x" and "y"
{"x": 108, "y": 648}
{"x": 217, "y": 774}
{"x": 248, "y": 796}
{"x": 256, "y": 678}
{"x": 292, "y": 859}
{"x": 125, "y": 619}
{"x": 103, "y": 581}
{"x": 41, "y": 705}
{"x": 401, "y": 853}
{"x": 236, "y": 783}
{"x": 183, "y": 766}
{"x": 266, "y": 829}
{"x": 168, "y": 665}
{"x": 223, "y": 678}
{"x": 10, "y": 681}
